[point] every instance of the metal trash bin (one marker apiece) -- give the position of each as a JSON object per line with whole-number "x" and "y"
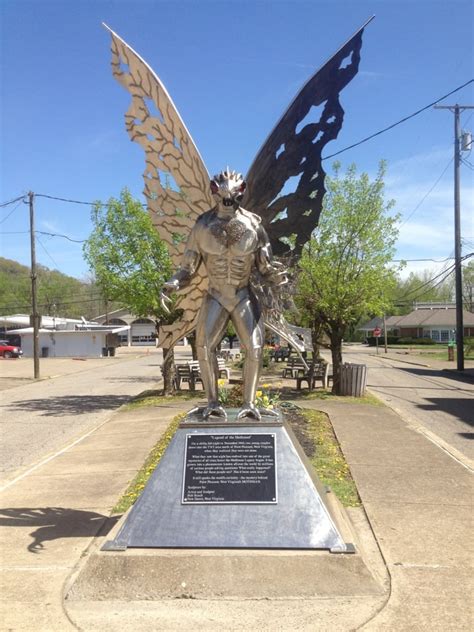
{"x": 353, "y": 379}
{"x": 104, "y": 352}
{"x": 112, "y": 352}
{"x": 44, "y": 352}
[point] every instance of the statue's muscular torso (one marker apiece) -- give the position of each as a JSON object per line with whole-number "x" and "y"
{"x": 229, "y": 250}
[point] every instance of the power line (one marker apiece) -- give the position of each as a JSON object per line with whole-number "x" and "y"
{"x": 428, "y": 192}
{"x": 60, "y": 199}
{"x": 42, "y": 232}
{"x": 11, "y": 212}
{"x": 46, "y": 251}
{"x": 446, "y": 272}
{"x": 21, "y": 197}
{"x": 52, "y": 197}
{"x": 403, "y": 120}
{"x": 433, "y": 260}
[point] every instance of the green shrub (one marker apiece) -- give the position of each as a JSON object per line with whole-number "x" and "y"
{"x": 416, "y": 341}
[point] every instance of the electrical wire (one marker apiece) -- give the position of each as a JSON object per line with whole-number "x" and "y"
{"x": 52, "y": 197}
{"x": 427, "y": 193}
{"x": 21, "y": 197}
{"x": 60, "y": 199}
{"x": 10, "y": 213}
{"x": 42, "y": 232}
{"x": 47, "y": 252}
{"x": 403, "y": 120}
{"x": 447, "y": 271}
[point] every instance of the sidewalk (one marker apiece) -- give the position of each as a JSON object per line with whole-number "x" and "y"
{"x": 417, "y": 498}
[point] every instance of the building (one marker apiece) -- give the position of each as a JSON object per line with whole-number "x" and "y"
{"x": 64, "y": 337}
{"x": 141, "y": 331}
{"x": 428, "y": 320}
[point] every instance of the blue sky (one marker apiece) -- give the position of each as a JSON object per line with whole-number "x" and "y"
{"x": 231, "y": 67}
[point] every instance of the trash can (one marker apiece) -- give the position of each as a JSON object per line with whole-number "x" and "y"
{"x": 353, "y": 379}
{"x": 44, "y": 352}
{"x": 111, "y": 352}
{"x": 451, "y": 346}
{"x": 104, "y": 352}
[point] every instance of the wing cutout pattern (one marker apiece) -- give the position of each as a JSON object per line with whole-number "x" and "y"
{"x": 293, "y": 151}
{"x": 153, "y": 121}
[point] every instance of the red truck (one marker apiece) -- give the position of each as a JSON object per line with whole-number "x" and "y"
{"x": 9, "y": 351}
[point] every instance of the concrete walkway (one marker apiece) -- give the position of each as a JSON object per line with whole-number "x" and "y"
{"x": 417, "y": 498}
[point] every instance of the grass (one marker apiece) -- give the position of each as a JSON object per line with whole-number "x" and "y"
{"x": 137, "y": 485}
{"x": 156, "y": 398}
{"x": 291, "y": 393}
{"x": 316, "y": 435}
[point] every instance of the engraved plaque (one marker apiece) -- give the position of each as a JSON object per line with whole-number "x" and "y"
{"x": 229, "y": 468}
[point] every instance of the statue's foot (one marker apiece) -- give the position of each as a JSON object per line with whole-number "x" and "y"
{"x": 249, "y": 410}
{"x": 269, "y": 412}
{"x": 214, "y": 409}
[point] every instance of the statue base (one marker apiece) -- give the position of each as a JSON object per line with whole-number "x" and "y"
{"x": 231, "y": 484}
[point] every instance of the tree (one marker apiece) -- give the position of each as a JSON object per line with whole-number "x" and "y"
{"x": 130, "y": 262}
{"x": 468, "y": 286}
{"x": 344, "y": 270}
{"x": 424, "y": 286}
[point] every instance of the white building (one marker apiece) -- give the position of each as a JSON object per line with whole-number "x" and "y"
{"x": 141, "y": 331}
{"x": 66, "y": 337}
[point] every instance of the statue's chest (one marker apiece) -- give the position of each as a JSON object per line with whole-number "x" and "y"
{"x": 234, "y": 238}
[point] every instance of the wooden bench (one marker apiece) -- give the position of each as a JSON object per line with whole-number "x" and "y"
{"x": 321, "y": 372}
{"x": 186, "y": 374}
{"x": 294, "y": 368}
{"x": 221, "y": 367}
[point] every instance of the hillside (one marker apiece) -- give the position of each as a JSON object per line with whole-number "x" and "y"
{"x": 58, "y": 294}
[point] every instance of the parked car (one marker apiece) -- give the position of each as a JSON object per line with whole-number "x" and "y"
{"x": 9, "y": 351}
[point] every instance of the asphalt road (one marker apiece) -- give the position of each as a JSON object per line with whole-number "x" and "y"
{"x": 39, "y": 418}
{"x": 440, "y": 402}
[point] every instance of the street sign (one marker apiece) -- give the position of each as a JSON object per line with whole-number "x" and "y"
{"x": 377, "y": 332}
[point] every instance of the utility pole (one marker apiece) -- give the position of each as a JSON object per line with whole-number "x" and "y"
{"x": 34, "y": 304}
{"x": 457, "y": 109}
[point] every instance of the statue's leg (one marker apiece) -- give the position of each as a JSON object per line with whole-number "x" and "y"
{"x": 249, "y": 326}
{"x": 210, "y": 328}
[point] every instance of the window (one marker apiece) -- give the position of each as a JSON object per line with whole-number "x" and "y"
{"x": 445, "y": 335}
{"x": 435, "y": 335}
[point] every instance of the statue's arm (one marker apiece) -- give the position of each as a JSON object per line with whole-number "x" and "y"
{"x": 273, "y": 271}
{"x": 189, "y": 264}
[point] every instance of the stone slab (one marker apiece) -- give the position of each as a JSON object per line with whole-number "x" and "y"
{"x": 264, "y": 615}
{"x": 431, "y": 599}
{"x": 423, "y": 534}
{"x": 420, "y": 483}
{"x": 299, "y": 520}
{"x": 230, "y": 574}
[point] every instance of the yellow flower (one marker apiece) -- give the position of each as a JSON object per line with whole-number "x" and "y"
{"x": 266, "y": 385}
{"x": 221, "y": 382}
{"x": 258, "y": 393}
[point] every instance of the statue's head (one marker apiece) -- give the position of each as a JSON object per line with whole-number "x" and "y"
{"x": 228, "y": 188}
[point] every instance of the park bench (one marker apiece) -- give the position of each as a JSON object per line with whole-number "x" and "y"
{"x": 321, "y": 372}
{"x": 184, "y": 373}
{"x": 294, "y": 368}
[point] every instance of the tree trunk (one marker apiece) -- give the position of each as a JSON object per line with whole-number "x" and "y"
{"x": 336, "y": 335}
{"x": 192, "y": 342}
{"x": 168, "y": 370}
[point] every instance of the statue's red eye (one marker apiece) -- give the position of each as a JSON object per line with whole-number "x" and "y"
{"x": 214, "y": 187}
{"x": 243, "y": 186}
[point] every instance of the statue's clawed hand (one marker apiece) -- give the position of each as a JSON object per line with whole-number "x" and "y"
{"x": 165, "y": 299}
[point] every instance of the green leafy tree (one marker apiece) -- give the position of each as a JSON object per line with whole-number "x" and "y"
{"x": 130, "y": 263}
{"x": 345, "y": 268}
{"x": 468, "y": 286}
{"x": 424, "y": 286}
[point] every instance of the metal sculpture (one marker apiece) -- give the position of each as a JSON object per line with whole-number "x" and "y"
{"x": 224, "y": 250}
